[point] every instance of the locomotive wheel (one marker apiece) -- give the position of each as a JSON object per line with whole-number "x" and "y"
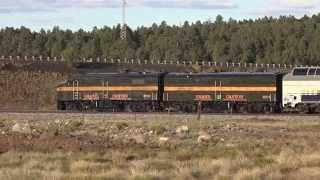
{"x": 134, "y": 107}
{"x": 266, "y": 109}
{"x": 188, "y": 108}
{"x": 142, "y": 108}
{"x": 138, "y": 107}
{"x": 174, "y": 108}
{"x": 71, "y": 107}
{"x": 312, "y": 110}
{"x": 61, "y": 106}
{"x": 243, "y": 109}
{"x": 149, "y": 107}
{"x": 317, "y": 110}
{"x": 302, "y": 109}
{"x": 128, "y": 108}
{"x": 260, "y": 108}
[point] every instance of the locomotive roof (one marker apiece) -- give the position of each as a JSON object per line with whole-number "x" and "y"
{"x": 226, "y": 74}
{"x": 117, "y": 74}
{"x": 175, "y": 74}
{"x": 303, "y": 74}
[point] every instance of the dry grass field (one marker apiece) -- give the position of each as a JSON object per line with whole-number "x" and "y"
{"x": 156, "y": 147}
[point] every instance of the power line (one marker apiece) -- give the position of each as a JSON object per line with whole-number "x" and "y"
{"x": 123, "y": 33}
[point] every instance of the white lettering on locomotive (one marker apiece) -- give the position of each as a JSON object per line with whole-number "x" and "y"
{"x": 235, "y": 98}
{"x": 120, "y": 97}
{"x": 203, "y": 98}
{"x": 91, "y": 96}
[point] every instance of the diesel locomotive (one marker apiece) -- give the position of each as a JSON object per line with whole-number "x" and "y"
{"x": 175, "y": 92}
{"x": 297, "y": 91}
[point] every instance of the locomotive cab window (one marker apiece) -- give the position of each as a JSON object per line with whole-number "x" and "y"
{"x": 300, "y": 72}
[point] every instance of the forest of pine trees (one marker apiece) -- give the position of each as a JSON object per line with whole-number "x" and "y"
{"x": 286, "y": 39}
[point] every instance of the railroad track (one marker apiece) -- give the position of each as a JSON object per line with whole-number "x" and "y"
{"x": 151, "y": 113}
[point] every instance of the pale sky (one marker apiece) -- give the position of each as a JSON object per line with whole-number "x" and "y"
{"x": 85, "y": 14}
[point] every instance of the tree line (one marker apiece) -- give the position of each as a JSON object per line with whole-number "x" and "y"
{"x": 285, "y": 39}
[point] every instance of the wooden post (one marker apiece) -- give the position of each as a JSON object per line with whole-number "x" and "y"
{"x": 199, "y": 109}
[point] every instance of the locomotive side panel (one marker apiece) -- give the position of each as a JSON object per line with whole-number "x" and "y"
{"x": 105, "y": 90}
{"x": 221, "y": 89}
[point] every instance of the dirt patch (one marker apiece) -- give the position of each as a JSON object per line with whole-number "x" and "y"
{"x": 64, "y": 143}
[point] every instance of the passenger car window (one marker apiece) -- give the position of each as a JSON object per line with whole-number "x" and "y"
{"x": 300, "y": 72}
{"x": 312, "y": 72}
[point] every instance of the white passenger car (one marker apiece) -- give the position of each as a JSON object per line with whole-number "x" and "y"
{"x": 301, "y": 90}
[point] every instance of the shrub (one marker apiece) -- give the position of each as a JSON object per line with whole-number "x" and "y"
{"x": 160, "y": 165}
{"x": 184, "y": 154}
{"x": 122, "y": 125}
{"x": 158, "y": 129}
{"x": 75, "y": 125}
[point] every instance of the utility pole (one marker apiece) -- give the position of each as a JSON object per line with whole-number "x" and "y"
{"x": 123, "y": 33}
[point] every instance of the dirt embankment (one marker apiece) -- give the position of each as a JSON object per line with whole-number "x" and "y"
{"x": 28, "y": 90}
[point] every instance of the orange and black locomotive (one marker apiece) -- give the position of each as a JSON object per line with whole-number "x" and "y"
{"x": 175, "y": 92}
